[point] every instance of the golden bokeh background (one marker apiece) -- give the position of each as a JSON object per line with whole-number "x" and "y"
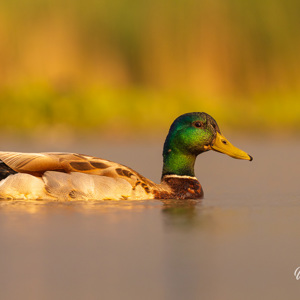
{"x": 131, "y": 66}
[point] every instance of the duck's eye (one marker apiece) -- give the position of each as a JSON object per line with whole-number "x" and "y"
{"x": 199, "y": 124}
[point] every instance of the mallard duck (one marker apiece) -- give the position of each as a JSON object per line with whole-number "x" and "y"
{"x": 70, "y": 176}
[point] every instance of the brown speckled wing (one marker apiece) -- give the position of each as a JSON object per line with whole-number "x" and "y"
{"x": 97, "y": 166}
{"x": 38, "y": 163}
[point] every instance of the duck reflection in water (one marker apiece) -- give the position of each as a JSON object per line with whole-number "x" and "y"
{"x": 183, "y": 214}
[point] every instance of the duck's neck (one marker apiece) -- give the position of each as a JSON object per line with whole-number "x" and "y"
{"x": 178, "y": 163}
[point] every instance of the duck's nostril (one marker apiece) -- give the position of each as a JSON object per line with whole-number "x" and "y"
{"x": 224, "y": 142}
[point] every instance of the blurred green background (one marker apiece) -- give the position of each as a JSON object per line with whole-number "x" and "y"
{"x": 128, "y": 68}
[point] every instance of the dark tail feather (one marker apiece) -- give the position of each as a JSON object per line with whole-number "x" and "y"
{"x": 5, "y": 170}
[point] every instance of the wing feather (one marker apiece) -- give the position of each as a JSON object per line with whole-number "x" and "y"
{"x": 39, "y": 163}
{"x": 31, "y": 163}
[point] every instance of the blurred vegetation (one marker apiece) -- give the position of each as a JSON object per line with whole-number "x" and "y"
{"x": 133, "y": 66}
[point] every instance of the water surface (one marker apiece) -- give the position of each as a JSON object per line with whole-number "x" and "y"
{"x": 240, "y": 242}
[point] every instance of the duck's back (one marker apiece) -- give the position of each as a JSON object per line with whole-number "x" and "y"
{"x": 68, "y": 176}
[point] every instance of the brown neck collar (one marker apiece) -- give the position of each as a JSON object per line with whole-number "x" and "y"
{"x": 182, "y": 187}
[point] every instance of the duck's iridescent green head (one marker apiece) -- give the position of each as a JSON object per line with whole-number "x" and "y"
{"x": 189, "y": 135}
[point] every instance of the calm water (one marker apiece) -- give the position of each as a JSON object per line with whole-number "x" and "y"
{"x": 240, "y": 242}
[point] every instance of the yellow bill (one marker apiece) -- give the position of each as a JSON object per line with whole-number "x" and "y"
{"x": 221, "y": 144}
